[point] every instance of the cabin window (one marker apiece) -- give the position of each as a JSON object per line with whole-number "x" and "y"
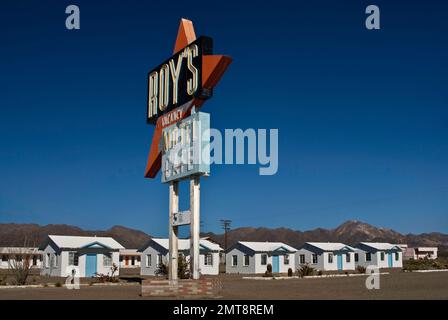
{"x": 159, "y": 259}
{"x": 356, "y": 257}
{"x": 347, "y": 257}
{"x": 53, "y": 260}
{"x": 368, "y": 256}
{"x": 133, "y": 261}
{"x": 208, "y": 259}
{"x": 302, "y": 259}
{"x": 5, "y": 258}
{"x": 121, "y": 258}
{"x": 397, "y": 256}
{"x": 107, "y": 260}
{"x": 286, "y": 259}
{"x": 382, "y": 256}
{"x": 264, "y": 259}
{"x": 73, "y": 259}
{"x": 314, "y": 258}
{"x": 330, "y": 258}
{"x": 148, "y": 260}
{"x": 18, "y": 258}
{"x": 246, "y": 260}
{"x": 234, "y": 260}
{"x": 34, "y": 260}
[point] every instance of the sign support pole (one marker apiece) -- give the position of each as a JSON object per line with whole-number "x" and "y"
{"x": 173, "y": 233}
{"x": 194, "y": 227}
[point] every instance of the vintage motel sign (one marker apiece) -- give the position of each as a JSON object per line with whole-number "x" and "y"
{"x": 186, "y": 148}
{"x": 176, "y": 87}
{"x": 178, "y": 80}
{"x": 184, "y": 80}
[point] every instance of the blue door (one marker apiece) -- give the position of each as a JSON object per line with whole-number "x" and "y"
{"x": 275, "y": 264}
{"x": 389, "y": 258}
{"x": 339, "y": 256}
{"x": 90, "y": 264}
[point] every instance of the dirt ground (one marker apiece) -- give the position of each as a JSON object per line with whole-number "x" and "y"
{"x": 398, "y": 285}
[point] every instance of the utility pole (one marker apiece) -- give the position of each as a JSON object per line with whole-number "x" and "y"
{"x": 226, "y": 226}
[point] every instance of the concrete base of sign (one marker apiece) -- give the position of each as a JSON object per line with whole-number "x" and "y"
{"x": 205, "y": 288}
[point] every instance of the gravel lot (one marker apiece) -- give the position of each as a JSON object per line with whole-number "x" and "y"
{"x": 397, "y": 285}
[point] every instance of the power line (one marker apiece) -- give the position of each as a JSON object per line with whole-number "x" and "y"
{"x": 226, "y": 226}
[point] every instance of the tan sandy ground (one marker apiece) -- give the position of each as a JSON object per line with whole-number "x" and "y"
{"x": 397, "y": 285}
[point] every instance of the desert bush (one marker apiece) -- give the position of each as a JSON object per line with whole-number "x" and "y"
{"x": 305, "y": 270}
{"x": 58, "y": 284}
{"x": 20, "y": 270}
{"x": 162, "y": 270}
{"x": 109, "y": 277}
{"x": 183, "y": 268}
{"x": 289, "y": 272}
{"x": 268, "y": 272}
{"x": 361, "y": 269}
{"x": 425, "y": 264}
{"x": 3, "y": 281}
{"x": 320, "y": 272}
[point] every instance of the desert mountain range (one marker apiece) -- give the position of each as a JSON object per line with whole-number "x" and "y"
{"x": 350, "y": 232}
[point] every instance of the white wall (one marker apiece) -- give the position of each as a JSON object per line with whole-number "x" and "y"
{"x": 283, "y": 268}
{"x": 334, "y": 266}
{"x": 146, "y": 270}
{"x": 48, "y": 270}
{"x": 376, "y": 259}
{"x": 255, "y": 266}
{"x": 430, "y": 253}
{"x": 4, "y": 264}
{"x": 322, "y": 260}
{"x": 209, "y": 269}
{"x": 63, "y": 260}
{"x": 309, "y": 259}
{"x": 240, "y": 268}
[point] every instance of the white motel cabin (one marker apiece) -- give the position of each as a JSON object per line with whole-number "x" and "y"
{"x": 91, "y": 255}
{"x": 326, "y": 256}
{"x": 11, "y": 256}
{"x": 246, "y": 257}
{"x": 379, "y": 254}
{"x": 156, "y": 251}
{"x": 420, "y": 253}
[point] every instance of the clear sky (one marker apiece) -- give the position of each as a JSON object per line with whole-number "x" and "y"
{"x": 362, "y": 115}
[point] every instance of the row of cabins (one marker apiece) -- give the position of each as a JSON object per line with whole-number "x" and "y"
{"x": 96, "y": 255}
{"x": 253, "y": 257}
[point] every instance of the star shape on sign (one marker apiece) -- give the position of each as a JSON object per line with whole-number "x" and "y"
{"x": 213, "y": 68}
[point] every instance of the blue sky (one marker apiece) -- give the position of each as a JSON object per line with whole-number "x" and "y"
{"x": 362, "y": 115}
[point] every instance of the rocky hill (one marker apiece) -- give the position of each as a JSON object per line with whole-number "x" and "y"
{"x": 32, "y": 235}
{"x": 350, "y": 232}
